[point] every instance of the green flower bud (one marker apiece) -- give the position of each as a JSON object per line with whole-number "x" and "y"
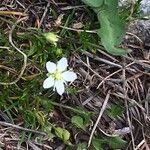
{"x": 51, "y": 37}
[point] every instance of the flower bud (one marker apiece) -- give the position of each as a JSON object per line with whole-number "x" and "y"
{"x": 51, "y": 37}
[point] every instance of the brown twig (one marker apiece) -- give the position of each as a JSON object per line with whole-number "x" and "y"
{"x": 18, "y": 50}
{"x": 3, "y": 12}
{"x": 44, "y": 14}
{"x": 21, "y": 128}
{"x": 126, "y": 104}
{"x": 99, "y": 117}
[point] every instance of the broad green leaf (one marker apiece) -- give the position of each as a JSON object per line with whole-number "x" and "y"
{"x": 116, "y": 142}
{"x": 109, "y": 16}
{"x": 66, "y": 135}
{"x": 112, "y": 4}
{"x": 93, "y": 3}
{"x": 78, "y": 121}
{"x": 62, "y": 133}
{"x": 112, "y": 27}
{"x": 111, "y": 31}
{"x": 98, "y": 143}
{"x": 86, "y": 115}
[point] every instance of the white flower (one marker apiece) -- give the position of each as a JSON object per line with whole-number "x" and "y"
{"x": 58, "y": 75}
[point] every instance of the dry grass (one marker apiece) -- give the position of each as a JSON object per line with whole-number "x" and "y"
{"x": 104, "y": 81}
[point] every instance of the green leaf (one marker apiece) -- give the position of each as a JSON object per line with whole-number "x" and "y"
{"x": 117, "y": 142}
{"x": 93, "y": 3}
{"x": 111, "y": 24}
{"x": 48, "y": 129}
{"x": 98, "y": 143}
{"x": 66, "y": 135}
{"x": 86, "y": 115}
{"x": 112, "y": 29}
{"x": 62, "y": 133}
{"x": 114, "y": 143}
{"x": 82, "y": 146}
{"x": 115, "y": 111}
{"x": 59, "y": 132}
{"x": 78, "y": 121}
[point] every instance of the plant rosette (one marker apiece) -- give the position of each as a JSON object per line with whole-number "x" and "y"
{"x": 58, "y": 75}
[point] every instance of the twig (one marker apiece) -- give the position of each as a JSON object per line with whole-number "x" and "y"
{"x": 126, "y": 104}
{"x": 20, "y": 4}
{"x": 7, "y": 68}
{"x": 107, "y": 78}
{"x": 4, "y": 47}
{"x": 108, "y": 135}
{"x": 138, "y": 62}
{"x": 80, "y": 61}
{"x": 24, "y": 55}
{"x": 44, "y": 14}
{"x": 44, "y": 146}
{"x": 140, "y": 144}
{"x": 12, "y": 23}
{"x": 33, "y": 145}
{"x": 101, "y": 59}
{"x": 99, "y": 117}
{"x": 126, "y": 67}
{"x": 77, "y": 30}
{"x": 2, "y": 12}
{"x": 129, "y": 33}
{"x": 21, "y": 128}
{"x": 72, "y": 7}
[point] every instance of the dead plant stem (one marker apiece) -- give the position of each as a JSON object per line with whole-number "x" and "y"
{"x": 99, "y": 117}
{"x": 19, "y": 51}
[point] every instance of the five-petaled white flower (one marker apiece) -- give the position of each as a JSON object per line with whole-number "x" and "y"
{"x": 58, "y": 75}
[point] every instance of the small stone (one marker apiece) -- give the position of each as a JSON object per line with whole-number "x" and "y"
{"x": 145, "y": 7}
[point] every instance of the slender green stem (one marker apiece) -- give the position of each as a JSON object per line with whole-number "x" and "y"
{"x": 68, "y": 107}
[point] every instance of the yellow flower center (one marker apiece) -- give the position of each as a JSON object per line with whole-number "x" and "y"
{"x": 57, "y": 75}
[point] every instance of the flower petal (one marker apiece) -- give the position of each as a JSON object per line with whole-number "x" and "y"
{"x": 62, "y": 64}
{"x": 50, "y": 66}
{"x": 60, "y": 88}
{"x": 49, "y": 82}
{"x": 69, "y": 76}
